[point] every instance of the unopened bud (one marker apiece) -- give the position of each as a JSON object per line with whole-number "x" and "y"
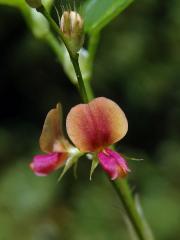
{"x": 34, "y": 3}
{"x": 72, "y": 27}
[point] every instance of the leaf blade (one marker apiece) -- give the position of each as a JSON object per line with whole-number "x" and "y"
{"x": 15, "y": 3}
{"x": 97, "y": 14}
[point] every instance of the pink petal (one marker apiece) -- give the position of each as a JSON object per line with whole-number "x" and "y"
{"x": 44, "y": 164}
{"x": 96, "y": 125}
{"x": 113, "y": 163}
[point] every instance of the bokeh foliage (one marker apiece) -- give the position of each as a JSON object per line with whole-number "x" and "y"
{"x": 137, "y": 65}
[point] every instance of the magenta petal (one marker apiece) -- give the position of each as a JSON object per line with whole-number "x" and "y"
{"x": 113, "y": 163}
{"x": 44, "y": 164}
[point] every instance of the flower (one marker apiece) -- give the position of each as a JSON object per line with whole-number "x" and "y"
{"x": 53, "y": 143}
{"x": 72, "y": 27}
{"x": 93, "y": 127}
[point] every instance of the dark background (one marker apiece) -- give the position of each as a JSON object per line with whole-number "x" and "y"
{"x": 137, "y": 65}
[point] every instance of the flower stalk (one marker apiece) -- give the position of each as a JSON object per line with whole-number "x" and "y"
{"x": 122, "y": 188}
{"x": 123, "y": 191}
{"x": 82, "y": 89}
{"x": 120, "y": 185}
{"x": 73, "y": 56}
{"x": 54, "y": 27}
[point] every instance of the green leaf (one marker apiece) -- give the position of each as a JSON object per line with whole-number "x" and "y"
{"x": 94, "y": 165}
{"x": 22, "y": 3}
{"x": 38, "y": 24}
{"x": 47, "y": 3}
{"x": 14, "y": 3}
{"x": 98, "y": 13}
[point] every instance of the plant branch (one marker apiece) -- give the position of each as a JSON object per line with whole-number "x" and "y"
{"x": 120, "y": 185}
{"x": 74, "y": 57}
{"x": 54, "y": 27}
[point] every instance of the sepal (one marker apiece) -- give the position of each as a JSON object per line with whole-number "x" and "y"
{"x": 94, "y": 165}
{"x": 73, "y": 158}
{"x": 132, "y": 158}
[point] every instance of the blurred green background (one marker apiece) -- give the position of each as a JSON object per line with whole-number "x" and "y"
{"x": 137, "y": 65}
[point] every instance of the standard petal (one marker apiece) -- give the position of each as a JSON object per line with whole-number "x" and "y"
{"x": 44, "y": 164}
{"x": 52, "y": 139}
{"x": 113, "y": 163}
{"x": 96, "y": 125}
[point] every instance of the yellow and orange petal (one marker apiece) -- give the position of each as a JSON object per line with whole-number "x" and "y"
{"x": 52, "y": 139}
{"x": 95, "y": 125}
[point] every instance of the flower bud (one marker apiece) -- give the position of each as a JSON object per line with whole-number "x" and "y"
{"x": 34, "y": 3}
{"x": 72, "y": 27}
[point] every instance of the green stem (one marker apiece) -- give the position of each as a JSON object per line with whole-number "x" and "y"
{"x": 89, "y": 90}
{"x": 139, "y": 224}
{"x": 58, "y": 50}
{"x": 82, "y": 89}
{"x": 74, "y": 57}
{"x": 121, "y": 186}
{"x": 54, "y": 27}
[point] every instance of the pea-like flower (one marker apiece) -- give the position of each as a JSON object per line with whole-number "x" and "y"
{"x": 93, "y": 127}
{"x": 53, "y": 143}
